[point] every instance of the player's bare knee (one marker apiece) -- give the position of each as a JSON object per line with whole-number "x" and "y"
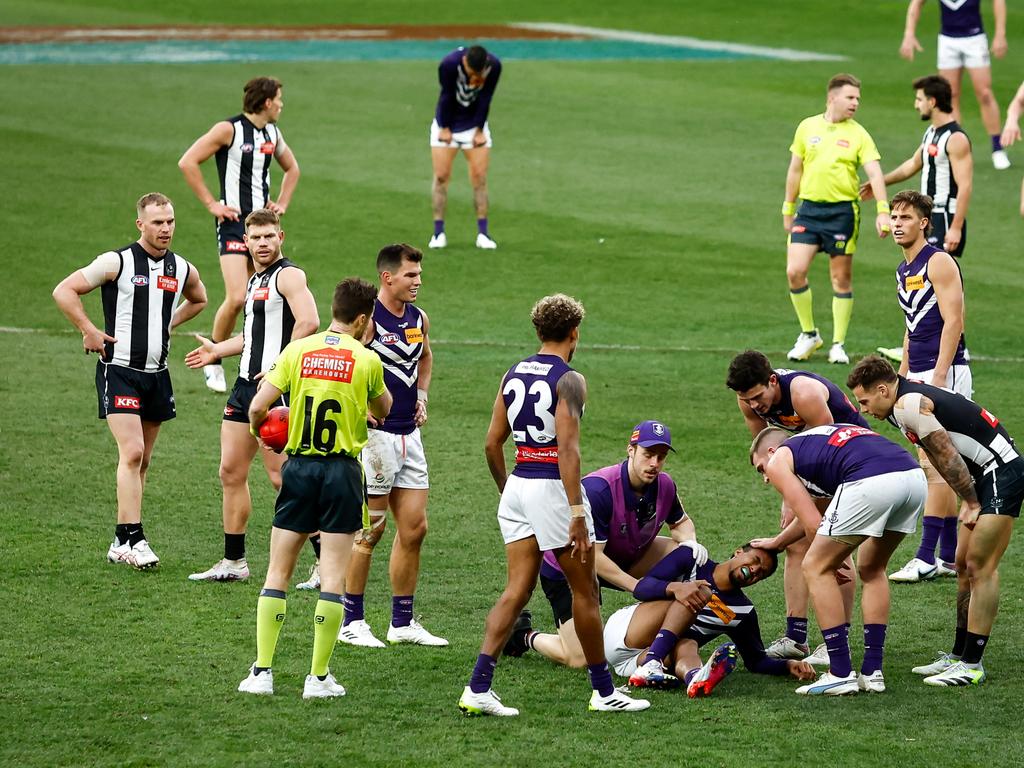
{"x": 441, "y": 179}
{"x": 796, "y": 276}
{"x": 414, "y": 534}
{"x": 231, "y": 476}
{"x": 132, "y": 455}
{"x": 575, "y": 659}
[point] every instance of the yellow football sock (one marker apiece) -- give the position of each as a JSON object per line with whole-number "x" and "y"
{"x": 803, "y": 303}
{"x": 326, "y": 623}
{"x": 842, "y": 310}
{"x": 270, "y": 611}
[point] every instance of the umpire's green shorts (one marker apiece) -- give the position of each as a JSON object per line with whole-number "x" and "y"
{"x": 833, "y": 227}
{"x": 321, "y": 493}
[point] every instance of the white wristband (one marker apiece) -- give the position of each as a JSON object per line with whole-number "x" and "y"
{"x": 421, "y": 395}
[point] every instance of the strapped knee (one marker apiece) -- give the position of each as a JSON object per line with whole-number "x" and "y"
{"x": 366, "y": 538}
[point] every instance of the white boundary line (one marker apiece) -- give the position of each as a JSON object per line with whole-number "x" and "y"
{"x": 526, "y": 344}
{"x": 678, "y": 41}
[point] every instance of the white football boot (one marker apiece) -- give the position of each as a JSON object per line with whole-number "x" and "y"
{"x": 328, "y": 688}
{"x": 223, "y": 570}
{"x": 215, "y": 378}
{"x": 486, "y": 703}
{"x": 806, "y": 344}
{"x": 359, "y": 633}
{"x": 914, "y": 571}
{"x": 261, "y": 684}
{"x": 414, "y": 634}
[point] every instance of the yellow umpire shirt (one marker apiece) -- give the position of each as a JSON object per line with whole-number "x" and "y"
{"x": 831, "y": 153}
{"x": 331, "y": 378}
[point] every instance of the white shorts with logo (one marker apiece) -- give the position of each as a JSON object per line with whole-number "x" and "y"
{"x": 460, "y": 140}
{"x": 538, "y": 507}
{"x": 960, "y": 52}
{"x": 869, "y": 507}
{"x": 958, "y": 379}
{"x": 394, "y": 461}
{"x": 621, "y": 657}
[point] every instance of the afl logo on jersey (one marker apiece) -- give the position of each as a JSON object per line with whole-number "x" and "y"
{"x": 246, "y": 148}
{"x": 140, "y": 280}
{"x": 389, "y": 338}
{"x": 814, "y": 140}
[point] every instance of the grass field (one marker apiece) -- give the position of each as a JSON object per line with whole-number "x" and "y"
{"x": 650, "y": 190}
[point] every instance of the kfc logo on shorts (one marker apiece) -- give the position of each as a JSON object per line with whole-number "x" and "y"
{"x": 140, "y": 280}
{"x": 840, "y": 236}
{"x": 165, "y": 283}
{"x": 127, "y": 401}
{"x": 799, "y": 228}
{"x": 267, "y": 148}
{"x": 234, "y": 246}
{"x": 246, "y": 149}
{"x": 229, "y": 411}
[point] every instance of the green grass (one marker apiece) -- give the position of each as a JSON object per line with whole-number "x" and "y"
{"x": 651, "y": 192}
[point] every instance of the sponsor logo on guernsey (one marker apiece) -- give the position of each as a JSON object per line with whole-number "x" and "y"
{"x": 533, "y": 368}
{"x": 413, "y": 335}
{"x": 229, "y": 411}
{"x": 167, "y": 283}
{"x": 992, "y": 420}
{"x": 234, "y": 246}
{"x": 267, "y": 148}
{"x": 933, "y": 149}
{"x": 842, "y": 143}
{"x": 526, "y": 453}
{"x": 791, "y": 421}
{"x": 332, "y": 340}
{"x": 328, "y": 365}
{"x": 845, "y": 434}
{"x": 246, "y": 148}
{"x": 389, "y": 338}
{"x": 127, "y": 401}
{"x": 261, "y": 294}
{"x": 140, "y": 280}
{"x": 913, "y": 283}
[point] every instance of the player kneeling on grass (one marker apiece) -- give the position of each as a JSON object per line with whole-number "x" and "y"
{"x": 333, "y": 381}
{"x": 685, "y": 606}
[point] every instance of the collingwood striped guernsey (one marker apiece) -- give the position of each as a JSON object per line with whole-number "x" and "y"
{"x": 268, "y": 324}
{"x": 244, "y": 165}
{"x": 937, "y": 179}
{"x": 138, "y": 306}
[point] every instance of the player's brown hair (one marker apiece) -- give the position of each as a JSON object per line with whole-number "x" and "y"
{"x": 257, "y": 91}
{"x": 936, "y": 87}
{"x": 352, "y": 297}
{"x": 870, "y": 371}
{"x": 390, "y": 257}
{"x": 911, "y": 198}
{"x": 772, "y": 553}
{"x": 555, "y": 316}
{"x": 152, "y": 198}
{"x": 262, "y": 217}
{"x": 772, "y": 435}
{"x": 843, "y": 78}
{"x": 748, "y": 369}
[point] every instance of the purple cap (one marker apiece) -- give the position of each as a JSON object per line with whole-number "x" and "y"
{"x": 648, "y": 434}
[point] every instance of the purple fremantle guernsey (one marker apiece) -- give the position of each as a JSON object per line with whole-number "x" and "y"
{"x": 624, "y": 521}
{"x": 828, "y": 456}
{"x": 960, "y": 18}
{"x": 919, "y": 303}
{"x": 398, "y": 341}
{"x": 459, "y": 106}
{"x": 530, "y": 392}
{"x": 783, "y": 415}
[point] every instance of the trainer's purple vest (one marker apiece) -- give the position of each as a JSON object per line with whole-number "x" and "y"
{"x": 626, "y": 537}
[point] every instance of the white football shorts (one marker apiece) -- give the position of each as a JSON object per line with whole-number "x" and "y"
{"x": 538, "y": 507}
{"x": 621, "y": 657}
{"x": 958, "y": 379}
{"x": 394, "y": 461}
{"x": 460, "y": 140}
{"x": 963, "y": 52}
{"x": 869, "y": 507}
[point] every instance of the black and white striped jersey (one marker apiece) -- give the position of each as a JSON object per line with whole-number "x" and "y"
{"x": 244, "y": 164}
{"x": 981, "y": 440}
{"x": 268, "y": 323}
{"x": 937, "y": 180}
{"x": 138, "y": 306}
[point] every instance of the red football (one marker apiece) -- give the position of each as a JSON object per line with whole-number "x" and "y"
{"x": 274, "y": 431}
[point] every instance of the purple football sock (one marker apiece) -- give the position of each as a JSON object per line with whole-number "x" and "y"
{"x": 997, "y": 144}
{"x": 438, "y": 227}
{"x": 483, "y": 673}
{"x": 796, "y": 629}
{"x": 401, "y": 610}
{"x": 689, "y": 675}
{"x": 931, "y": 528}
{"x": 481, "y": 226}
{"x": 947, "y": 540}
{"x": 601, "y": 678}
{"x": 664, "y": 643}
{"x": 353, "y": 608}
{"x": 837, "y": 640}
{"x": 874, "y": 647}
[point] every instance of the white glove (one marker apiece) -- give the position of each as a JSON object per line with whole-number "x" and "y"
{"x": 700, "y": 552}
